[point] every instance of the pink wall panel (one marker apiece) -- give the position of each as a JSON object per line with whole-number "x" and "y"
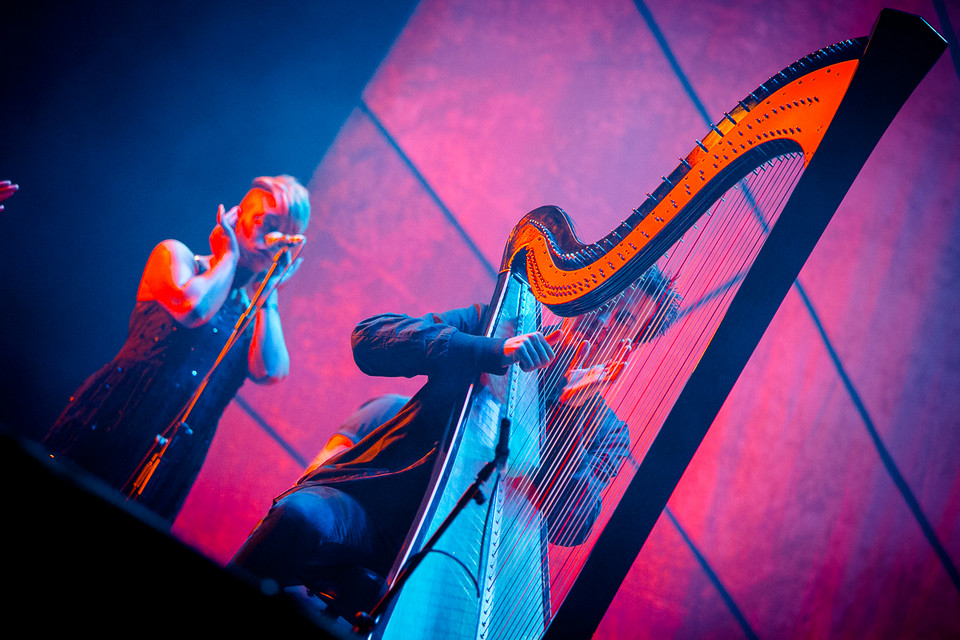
{"x": 503, "y": 106}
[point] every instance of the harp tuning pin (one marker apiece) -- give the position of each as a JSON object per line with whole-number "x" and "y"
{"x": 700, "y": 144}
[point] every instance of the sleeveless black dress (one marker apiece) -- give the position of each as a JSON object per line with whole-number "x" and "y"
{"x": 113, "y": 419}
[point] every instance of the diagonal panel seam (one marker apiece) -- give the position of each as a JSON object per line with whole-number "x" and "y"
{"x": 419, "y": 177}
{"x": 712, "y": 576}
{"x": 885, "y": 457}
{"x": 946, "y": 29}
{"x": 270, "y": 431}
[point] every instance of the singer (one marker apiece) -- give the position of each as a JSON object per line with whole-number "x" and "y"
{"x": 187, "y": 309}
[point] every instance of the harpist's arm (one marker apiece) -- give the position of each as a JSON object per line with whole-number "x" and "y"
{"x": 398, "y": 345}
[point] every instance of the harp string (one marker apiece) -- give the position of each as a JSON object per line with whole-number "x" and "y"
{"x": 525, "y": 588}
{"x": 652, "y": 329}
{"x": 708, "y": 321}
{"x": 718, "y": 271}
{"x": 724, "y": 287}
{"x": 529, "y": 520}
{"x": 718, "y": 290}
{"x": 624, "y": 330}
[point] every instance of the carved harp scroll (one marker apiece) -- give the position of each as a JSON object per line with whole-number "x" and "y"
{"x": 798, "y": 141}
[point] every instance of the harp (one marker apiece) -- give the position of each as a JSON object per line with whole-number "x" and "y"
{"x": 672, "y": 302}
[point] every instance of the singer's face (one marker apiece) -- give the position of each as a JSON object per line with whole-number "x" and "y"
{"x": 259, "y": 215}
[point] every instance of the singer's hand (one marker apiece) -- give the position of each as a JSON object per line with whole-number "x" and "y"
{"x": 223, "y": 238}
{"x": 7, "y": 189}
{"x": 280, "y": 277}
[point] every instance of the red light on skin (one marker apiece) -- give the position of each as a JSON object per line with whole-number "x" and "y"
{"x": 7, "y": 189}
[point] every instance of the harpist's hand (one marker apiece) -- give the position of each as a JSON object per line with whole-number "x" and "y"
{"x": 582, "y": 383}
{"x": 530, "y": 350}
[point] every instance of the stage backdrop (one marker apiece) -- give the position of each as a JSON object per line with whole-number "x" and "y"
{"x": 825, "y": 499}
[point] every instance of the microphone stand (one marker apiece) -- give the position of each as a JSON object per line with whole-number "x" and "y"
{"x": 364, "y": 622}
{"x": 145, "y": 470}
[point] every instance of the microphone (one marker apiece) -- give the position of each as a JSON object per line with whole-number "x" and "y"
{"x": 274, "y": 238}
